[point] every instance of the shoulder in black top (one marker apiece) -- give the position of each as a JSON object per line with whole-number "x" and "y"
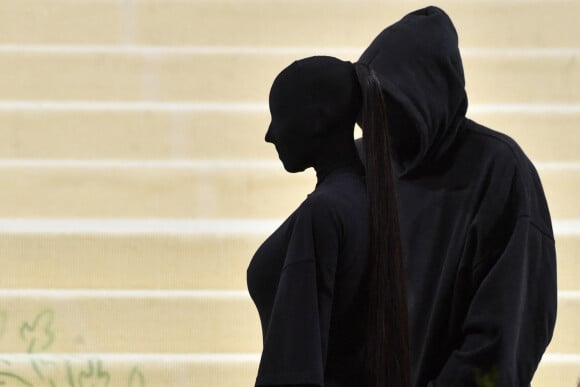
{"x": 308, "y": 283}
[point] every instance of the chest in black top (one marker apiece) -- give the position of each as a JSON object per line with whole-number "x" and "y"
{"x": 308, "y": 283}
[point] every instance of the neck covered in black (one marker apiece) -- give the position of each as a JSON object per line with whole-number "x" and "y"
{"x": 337, "y": 156}
{"x": 314, "y": 103}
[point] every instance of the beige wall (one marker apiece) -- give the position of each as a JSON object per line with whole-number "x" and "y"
{"x": 136, "y": 185}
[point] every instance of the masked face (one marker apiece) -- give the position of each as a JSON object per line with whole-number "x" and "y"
{"x": 291, "y": 128}
{"x": 310, "y": 101}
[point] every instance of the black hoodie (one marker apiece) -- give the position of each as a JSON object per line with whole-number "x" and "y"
{"x": 476, "y": 230}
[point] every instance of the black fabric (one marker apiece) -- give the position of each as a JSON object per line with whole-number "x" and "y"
{"x": 418, "y": 63}
{"x": 308, "y": 283}
{"x": 308, "y": 279}
{"x": 476, "y": 230}
{"x": 314, "y": 103}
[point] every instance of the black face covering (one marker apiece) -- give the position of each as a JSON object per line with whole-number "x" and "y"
{"x": 313, "y": 104}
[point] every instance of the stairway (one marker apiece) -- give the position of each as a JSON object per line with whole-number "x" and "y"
{"x": 136, "y": 184}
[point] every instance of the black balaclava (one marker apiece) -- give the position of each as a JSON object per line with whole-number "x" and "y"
{"x": 314, "y": 103}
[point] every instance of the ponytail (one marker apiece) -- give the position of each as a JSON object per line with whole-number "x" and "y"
{"x": 388, "y": 354}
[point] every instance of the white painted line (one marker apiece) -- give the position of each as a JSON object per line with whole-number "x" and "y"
{"x": 144, "y": 164}
{"x": 524, "y": 108}
{"x": 136, "y": 357}
{"x": 162, "y": 294}
{"x": 238, "y": 107}
{"x": 204, "y": 227}
{"x": 548, "y": 358}
{"x": 264, "y": 50}
{"x": 124, "y": 294}
{"x": 520, "y": 52}
{"x": 266, "y": 164}
{"x": 559, "y": 358}
{"x": 250, "y": 107}
{"x": 179, "y": 50}
{"x": 557, "y": 166}
{"x": 566, "y": 227}
{"x": 162, "y": 226}
{"x": 569, "y": 295}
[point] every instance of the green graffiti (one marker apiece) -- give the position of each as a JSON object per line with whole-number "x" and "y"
{"x": 3, "y": 320}
{"x": 36, "y": 368}
{"x": 12, "y": 380}
{"x": 95, "y": 376}
{"x": 136, "y": 378}
{"x": 46, "y": 370}
{"x": 39, "y": 334}
{"x": 69, "y": 375}
{"x": 37, "y": 364}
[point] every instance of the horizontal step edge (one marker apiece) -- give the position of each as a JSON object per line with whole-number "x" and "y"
{"x": 143, "y": 164}
{"x": 548, "y": 358}
{"x": 268, "y": 164}
{"x": 138, "y": 226}
{"x": 249, "y": 107}
{"x": 189, "y": 49}
{"x": 263, "y": 50}
{"x": 569, "y": 227}
{"x": 559, "y": 358}
{"x": 138, "y": 357}
{"x": 156, "y": 294}
{"x": 124, "y": 294}
{"x": 163, "y": 226}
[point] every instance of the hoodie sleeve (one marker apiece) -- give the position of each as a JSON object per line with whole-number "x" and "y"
{"x": 512, "y": 313}
{"x": 296, "y": 342}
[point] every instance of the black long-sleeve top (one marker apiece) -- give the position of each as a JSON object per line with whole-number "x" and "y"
{"x": 308, "y": 281}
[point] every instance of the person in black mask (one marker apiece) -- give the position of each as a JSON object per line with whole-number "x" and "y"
{"x": 477, "y": 237}
{"x": 329, "y": 283}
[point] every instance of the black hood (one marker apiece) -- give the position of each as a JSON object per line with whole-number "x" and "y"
{"x": 419, "y": 66}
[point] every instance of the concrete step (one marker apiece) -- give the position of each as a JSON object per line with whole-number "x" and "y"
{"x": 108, "y": 321}
{"x": 193, "y": 75}
{"x": 129, "y": 370}
{"x": 562, "y": 186}
{"x": 544, "y": 134}
{"x": 191, "y": 189}
{"x": 101, "y": 258}
{"x": 558, "y": 371}
{"x": 568, "y": 259}
{"x": 211, "y": 370}
{"x": 255, "y": 22}
{"x": 566, "y": 334}
{"x": 200, "y": 254}
{"x": 195, "y": 190}
{"x": 134, "y": 134}
{"x": 157, "y": 131}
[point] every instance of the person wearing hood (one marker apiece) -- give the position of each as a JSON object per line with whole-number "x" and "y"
{"x": 476, "y": 232}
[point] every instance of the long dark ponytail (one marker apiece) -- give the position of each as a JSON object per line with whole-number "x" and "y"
{"x": 388, "y": 354}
